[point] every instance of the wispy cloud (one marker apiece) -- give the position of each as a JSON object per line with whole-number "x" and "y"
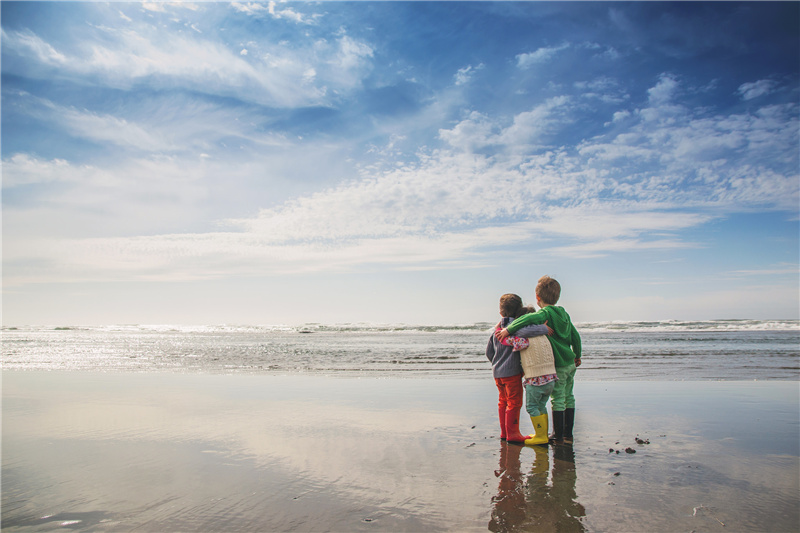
{"x": 28, "y": 44}
{"x": 776, "y": 270}
{"x": 272, "y": 9}
{"x": 157, "y": 125}
{"x": 276, "y": 75}
{"x": 749, "y": 91}
{"x": 608, "y": 246}
{"x": 539, "y": 56}
{"x": 465, "y": 74}
{"x": 528, "y": 128}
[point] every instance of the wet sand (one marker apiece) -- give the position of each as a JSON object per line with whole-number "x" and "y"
{"x": 188, "y": 452}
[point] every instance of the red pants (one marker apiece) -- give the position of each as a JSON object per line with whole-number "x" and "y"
{"x": 510, "y": 390}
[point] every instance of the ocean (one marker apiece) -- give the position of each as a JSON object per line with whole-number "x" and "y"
{"x": 633, "y": 351}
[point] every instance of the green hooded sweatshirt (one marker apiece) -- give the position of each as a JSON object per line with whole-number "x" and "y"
{"x": 565, "y": 340}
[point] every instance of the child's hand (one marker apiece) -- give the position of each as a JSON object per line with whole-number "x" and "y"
{"x": 519, "y": 343}
{"x": 502, "y": 334}
{"x": 577, "y": 362}
{"x": 549, "y": 329}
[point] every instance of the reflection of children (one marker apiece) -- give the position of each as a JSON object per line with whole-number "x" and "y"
{"x": 507, "y": 372}
{"x": 545, "y": 499}
{"x": 508, "y": 505}
{"x": 539, "y": 379}
{"x": 566, "y": 343}
{"x": 550, "y": 496}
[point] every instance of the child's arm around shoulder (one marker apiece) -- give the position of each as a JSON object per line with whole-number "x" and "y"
{"x": 531, "y": 319}
{"x": 539, "y": 317}
{"x": 534, "y": 330}
{"x": 520, "y": 339}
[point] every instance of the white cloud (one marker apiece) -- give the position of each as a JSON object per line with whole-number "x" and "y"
{"x": 22, "y": 169}
{"x": 351, "y": 53}
{"x": 470, "y": 134}
{"x": 605, "y": 89}
{"x": 250, "y": 8}
{"x": 669, "y": 152}
{"x": 285, "y": 13}
{"x": 123, "y": 58}
{"x": 748, "y": 91}
{"x": 619, "y": 116}
{"x": 536, "y": 125}
{"x": 156, "y": 126}
{"x": 664, "y": 91}
{"x": 271, "y": 8}
{"x": 153, "y": 6}
{"x": 28, "y": 44}
{"x": 111, "y": 129}
{"x": 594, "y": 222}
{"x": 465, "y": 74}
{"x": 777, "y": 270}
{"x": 529, "y": 127}
{"x": 597, "y": 152}
{"x": 605, "y": 247}
{"x": 542, "y": 55}
{"x": 102, "y": 189}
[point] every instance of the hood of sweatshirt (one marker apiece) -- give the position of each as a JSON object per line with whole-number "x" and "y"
{"x": 559, "y": 320}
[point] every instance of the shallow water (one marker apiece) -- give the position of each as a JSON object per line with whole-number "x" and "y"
{"x": 715, "y": 350}
{"x": 161, "y": 452}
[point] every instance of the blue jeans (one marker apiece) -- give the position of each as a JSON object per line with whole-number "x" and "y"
{"x": 562, "y": 393}
{"x": 536, "y": 398}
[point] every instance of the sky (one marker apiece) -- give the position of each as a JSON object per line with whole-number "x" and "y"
{"x": 384, "y": 162}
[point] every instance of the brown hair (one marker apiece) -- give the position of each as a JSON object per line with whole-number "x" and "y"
{"x": 548, "y": 290}
{"x": 510, "y": 305}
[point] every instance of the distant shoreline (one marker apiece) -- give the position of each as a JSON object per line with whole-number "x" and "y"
{"x": 738, "y": 324}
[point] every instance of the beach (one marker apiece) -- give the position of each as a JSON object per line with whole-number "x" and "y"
{"x": 160, "y": 451}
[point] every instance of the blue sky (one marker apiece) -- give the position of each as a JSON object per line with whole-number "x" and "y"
{"x": 268, "y": 163}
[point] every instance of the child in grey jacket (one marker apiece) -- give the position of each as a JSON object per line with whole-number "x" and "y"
{"x": 507, "y": 371}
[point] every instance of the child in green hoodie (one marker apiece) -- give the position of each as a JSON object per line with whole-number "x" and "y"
{"x": 566, "y": 343}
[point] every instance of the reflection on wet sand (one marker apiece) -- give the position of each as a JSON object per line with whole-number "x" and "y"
{"x": 164, "y": 452}
{"x": 508, "y": 506}
{"x": 544, "y": 500}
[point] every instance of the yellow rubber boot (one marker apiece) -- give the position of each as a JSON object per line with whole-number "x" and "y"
{"x": 540, "y": 428}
